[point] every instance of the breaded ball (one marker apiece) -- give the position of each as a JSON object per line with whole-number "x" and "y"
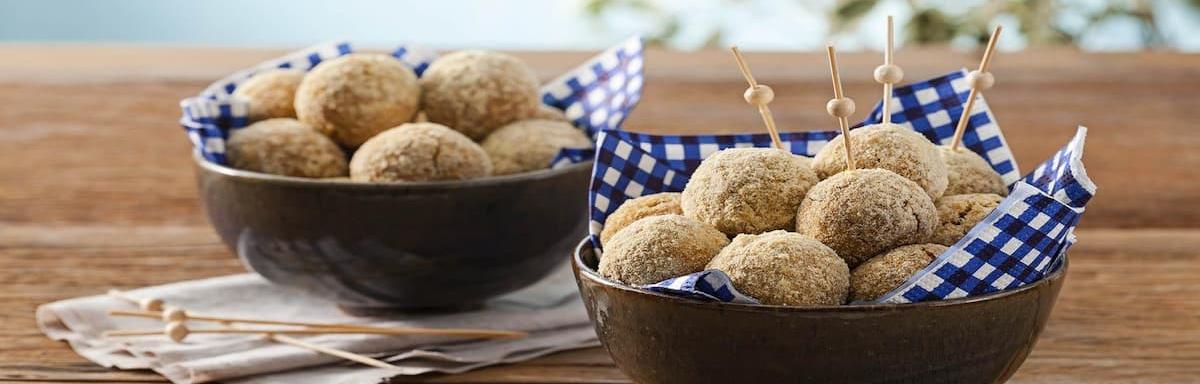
{"x": 748, "y": 190}
{"x": 419, "y": 152}
{"x": 271, "y": 94}
{"x": 665, "y": 203}
{"x": 550, "y": 113}
{"x": 891, "y": 147}
{"x": 477, "y": 92}
{"x": 881, "y": 274}
{"x": 354, "y": 97}
{"x": 784, "y": 268}
{"x": 657, "y": 248}
{"x": 863, "y": 212}
{"x": 286, "y": 147}
{"x": 967, "y": 172}
{"x": 530, "y": 145}
{"x": 957, "y": 214}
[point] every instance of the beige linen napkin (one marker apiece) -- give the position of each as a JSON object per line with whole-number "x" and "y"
{"x": 549, "y": 310}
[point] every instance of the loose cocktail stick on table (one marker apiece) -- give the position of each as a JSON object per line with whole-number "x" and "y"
{"x": 331, "y": 351}
{"x": 146, "y": 304}
{"x": 177, "y": 331}
{"x": 979, "y": 80}
{"x": 840, "y": 106}
{"x": 759, "y": 96}
{"x": 297, "y": 331}
{"x": 180, "y": 315}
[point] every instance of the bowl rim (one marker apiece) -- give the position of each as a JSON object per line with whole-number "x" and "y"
{"x": 583, "y": 271}
{"x": 204, "y": 164}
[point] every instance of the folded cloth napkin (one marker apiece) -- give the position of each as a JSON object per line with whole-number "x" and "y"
{"x": 550, "y": 311}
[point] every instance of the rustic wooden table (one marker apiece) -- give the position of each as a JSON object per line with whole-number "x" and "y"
{"x": 96, "y": 190}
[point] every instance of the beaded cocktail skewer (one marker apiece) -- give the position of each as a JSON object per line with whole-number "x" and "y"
{"x": 888, "y": 74}
{"x": 295, "y": 331}
{"x": 177, "y": 330}
{"x": 146, "y": 304}
{"x": 840, "y": 107}
{"x": 758, "y": 95}
{"x": 979, "y": 80}
{"x": 173, "y": 315}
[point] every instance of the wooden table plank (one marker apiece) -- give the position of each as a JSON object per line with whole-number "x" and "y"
{"x": 96, "y": 190}
{"x": 113, "y": 140}
{"x": 1127, "y": 311}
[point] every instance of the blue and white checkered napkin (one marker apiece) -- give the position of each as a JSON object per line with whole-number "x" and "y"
{"x": 1028, "y": 232}
{"x": 712, "y": 285}
{"x": 597, "y": 95}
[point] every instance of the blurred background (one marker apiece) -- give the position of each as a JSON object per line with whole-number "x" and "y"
{"x": 783, "y": 25}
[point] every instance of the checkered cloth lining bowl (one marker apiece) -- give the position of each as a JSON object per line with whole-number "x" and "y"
{"x": 1020, "y": 242}
{"x": 594, "y": 96}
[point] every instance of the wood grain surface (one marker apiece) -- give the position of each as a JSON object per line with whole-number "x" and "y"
{"x": 96, "y": 190}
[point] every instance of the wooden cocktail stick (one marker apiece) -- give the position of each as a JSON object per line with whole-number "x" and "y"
{"x": 840, "y": 107}
{"x": 170, "y": 332}
{"x": 180, "y": 315}
{"x": 888, "y": 74}
{"x": 331, "y": 351}
{"x": 146, "y": 304}
{"x": 979, "y": 80}
{"x": 177, "y": 331}
{"x": 758, "y": 95}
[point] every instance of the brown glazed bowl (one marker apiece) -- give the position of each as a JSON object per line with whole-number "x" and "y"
{"x": 382, "y": 246}
{"x": 656, "y": 338}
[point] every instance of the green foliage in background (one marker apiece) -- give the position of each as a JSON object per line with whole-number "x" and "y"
{"x": 930, "y": 24}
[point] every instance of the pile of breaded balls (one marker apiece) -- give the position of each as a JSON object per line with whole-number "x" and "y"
{"x": 807, "y": 232}
{"x": 472, "y": 114}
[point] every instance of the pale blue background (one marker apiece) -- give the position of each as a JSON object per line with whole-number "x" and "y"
{"x": 507, "y": 24}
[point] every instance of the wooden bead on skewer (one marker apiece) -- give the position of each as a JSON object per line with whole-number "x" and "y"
{"x": 888, "y": 74}
{"x": 176, "y": 331}
{"x": 146, "y": 304}
{"x": 759, "y": 96}
{"x": 172, "y": 314}
{"x": 979, "y": 80}
{"x": 840, "y": 107}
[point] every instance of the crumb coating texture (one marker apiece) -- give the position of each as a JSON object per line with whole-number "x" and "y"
{"x": 967, "y": 172}
{"x": 419, "y": 152}
{"x": 530, "y": 145}
{"x": 271, "y": 94}
{"x": 748, "y": 190}
{"x": 284, "y": 146}
{"x": 883, "y": 273}
{"x": 864, "y": 212}
{"x": 957, "y": 214}
{"x": 784, "y": 268}
{"x": 657, "y": 248}
{"x": 891, "y": 147}
{"x": 477, "y": 92}
{"x": 355, "y": 97}
{"x": 665, "y": 203}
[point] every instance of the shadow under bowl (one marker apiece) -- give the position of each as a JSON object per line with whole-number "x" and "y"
{"x": 655, "y": 338}
{"x": 377, "y": 247}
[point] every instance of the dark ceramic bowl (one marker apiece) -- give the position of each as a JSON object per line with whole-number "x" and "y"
{"x": 389, "y": 246}
{"x": 656, "y": 338}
